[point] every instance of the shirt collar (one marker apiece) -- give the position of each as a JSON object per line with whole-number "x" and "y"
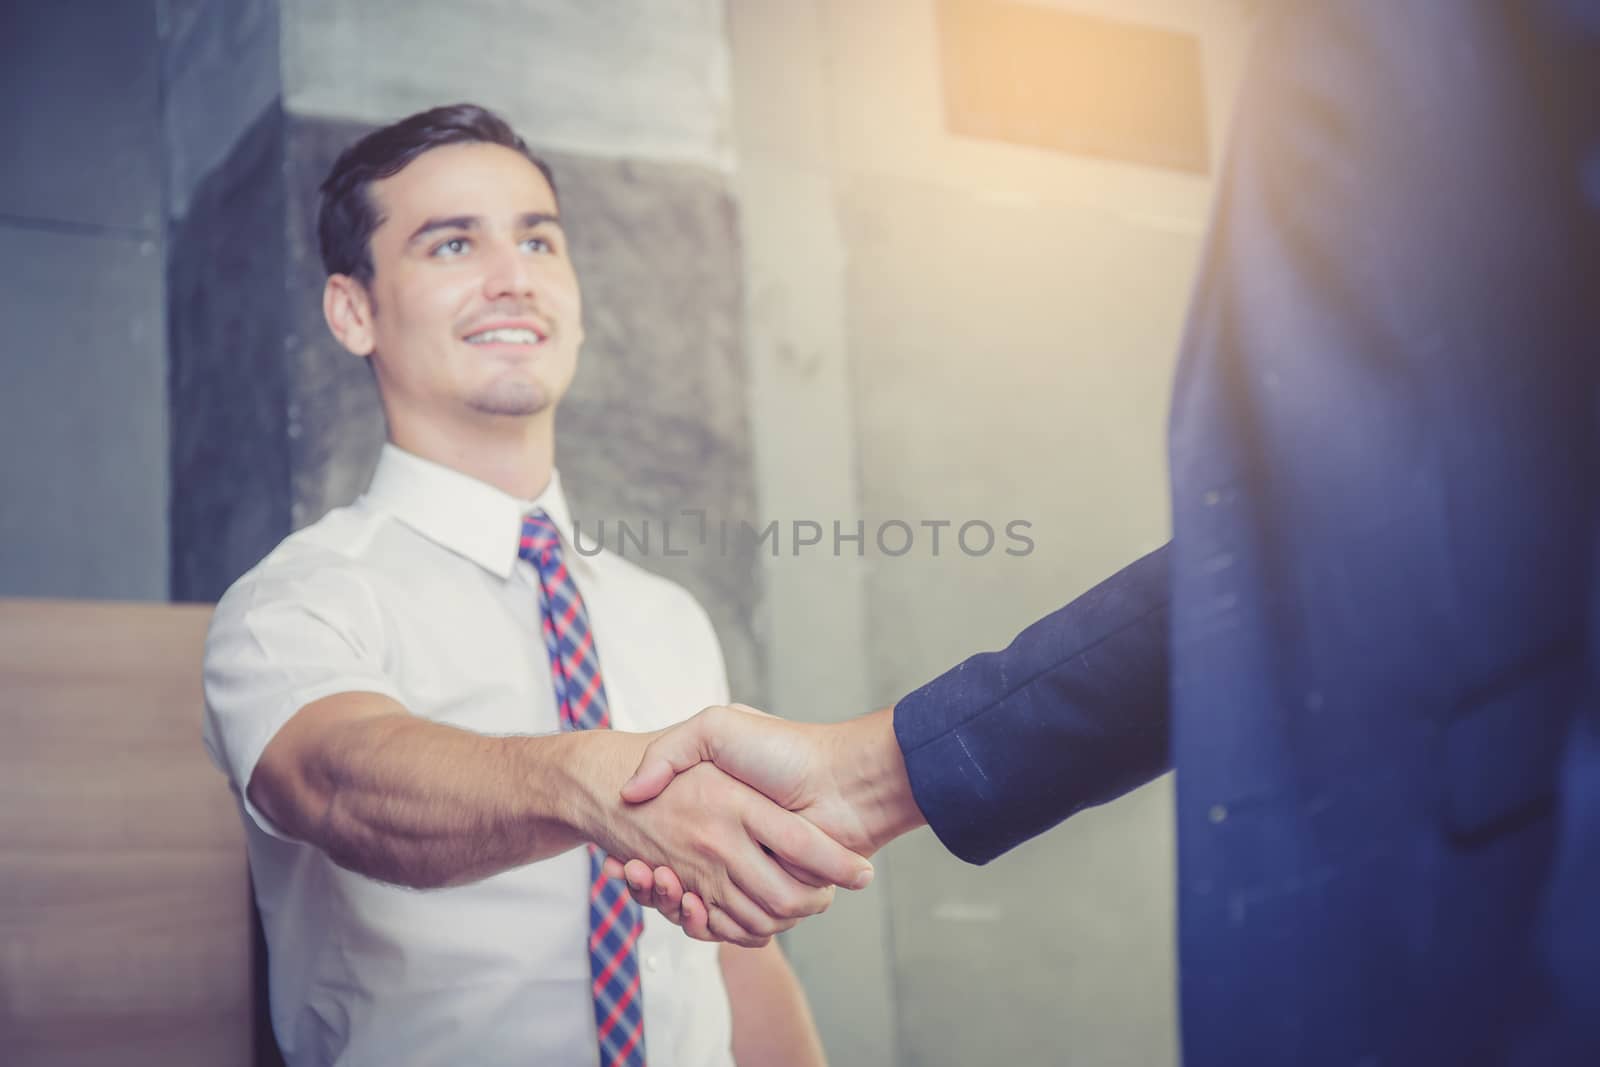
{"x": 456, "y": 511}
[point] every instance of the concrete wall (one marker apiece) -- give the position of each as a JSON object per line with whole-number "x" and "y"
{"x": 83, "y": 436}
{"x": 943, "y": 328}
{"x": 637, "y": 80}
{"x": 222, "y": 66}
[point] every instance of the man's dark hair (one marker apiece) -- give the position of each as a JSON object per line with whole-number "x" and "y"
{"x": 348, "y": 217}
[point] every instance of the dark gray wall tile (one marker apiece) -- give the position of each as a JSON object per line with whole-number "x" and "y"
{"x": 81, "y": 81}
{"x": 83, "y": 480}
{"x": 336, "y": 418}
{"x": 229, "y": 383}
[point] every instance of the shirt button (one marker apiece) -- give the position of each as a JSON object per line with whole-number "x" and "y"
{"x": 1218, "y": 813}
{"x": 652, "y": 963}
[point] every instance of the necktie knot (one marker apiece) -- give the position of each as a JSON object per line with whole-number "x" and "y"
{"x": 541, "y": 544}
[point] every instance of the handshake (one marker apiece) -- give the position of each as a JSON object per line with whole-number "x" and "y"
{"x": 736, "y": 824}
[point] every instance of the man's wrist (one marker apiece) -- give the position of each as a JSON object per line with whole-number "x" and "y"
{"x": 873, "y": 777}
{"x": 582, "y": 773}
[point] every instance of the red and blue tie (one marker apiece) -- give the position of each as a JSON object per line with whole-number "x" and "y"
{"x": 614, "y": 919}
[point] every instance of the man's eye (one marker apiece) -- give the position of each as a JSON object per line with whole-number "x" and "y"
{"x": 454, "y": 247}
{"x": 538, "y": 244}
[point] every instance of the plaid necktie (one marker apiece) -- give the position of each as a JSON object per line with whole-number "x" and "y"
{"x": 614, "y": 919}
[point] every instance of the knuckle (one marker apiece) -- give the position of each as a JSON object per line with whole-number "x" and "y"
{"x": 815, "y": 902}
{"x": 801, "y": 901}
{"x": 760, "y": 925}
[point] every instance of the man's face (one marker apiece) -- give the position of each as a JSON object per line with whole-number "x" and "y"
{"x": 475, "y": 306}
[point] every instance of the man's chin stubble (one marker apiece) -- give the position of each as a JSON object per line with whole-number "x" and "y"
{"x": 511, "y": 399}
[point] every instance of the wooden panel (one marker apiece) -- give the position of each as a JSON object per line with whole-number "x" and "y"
{"x": 1074, "y": 83}
{"x": 124, "y": 892}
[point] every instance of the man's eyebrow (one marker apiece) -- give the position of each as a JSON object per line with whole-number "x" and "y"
{"x": 525, "y": 221}
{"x": 454, "y": 222}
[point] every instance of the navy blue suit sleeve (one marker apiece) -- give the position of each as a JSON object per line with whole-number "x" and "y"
{"x": 1073, "y": 713}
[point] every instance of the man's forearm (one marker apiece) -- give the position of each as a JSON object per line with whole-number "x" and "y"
{"x": 418, "y": 803}
{"x": 772, "y": 1023}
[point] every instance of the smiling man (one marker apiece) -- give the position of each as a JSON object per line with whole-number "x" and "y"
{"x": 414, "y": 696}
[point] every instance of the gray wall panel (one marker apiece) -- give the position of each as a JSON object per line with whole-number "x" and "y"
{"x": 1013, "y": 364}
{"x": 81, "y": 82}
{"x": 83, "y": 481}
{"x": 1006, "y": 319}
{"x": 334, "y": 420}
{"x": 221, "y": 68}
{"x": 638, "y": 80}
{"x": 657, "y": 419}
{"x": 230, "y": 453}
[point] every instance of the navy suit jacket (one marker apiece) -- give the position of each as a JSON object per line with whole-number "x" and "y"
{"x": 1368, "y": 651}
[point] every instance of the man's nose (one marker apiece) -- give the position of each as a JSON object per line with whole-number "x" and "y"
{"x": 510, "y": 273}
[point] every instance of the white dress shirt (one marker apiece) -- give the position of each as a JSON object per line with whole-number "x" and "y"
{"x": 415, "y": 591}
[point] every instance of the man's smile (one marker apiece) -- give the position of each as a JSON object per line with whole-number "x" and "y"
{"x": 521, "y": 333}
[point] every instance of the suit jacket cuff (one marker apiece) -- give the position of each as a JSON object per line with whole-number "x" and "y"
{"x": 1073, "y": 713}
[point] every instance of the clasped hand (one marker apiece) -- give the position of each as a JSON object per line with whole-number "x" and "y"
{"x": 793, "y": 764}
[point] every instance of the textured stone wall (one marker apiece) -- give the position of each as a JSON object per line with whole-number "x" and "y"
{"x": 641, "y": 80}
{"x": 230, "y": 381}
{"x": 221, "y": 71}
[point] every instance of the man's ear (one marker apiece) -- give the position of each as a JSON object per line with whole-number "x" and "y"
{"x": 348, "y": 309}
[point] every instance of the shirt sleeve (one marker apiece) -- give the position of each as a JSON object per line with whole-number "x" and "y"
{"x": 287, "y": 634}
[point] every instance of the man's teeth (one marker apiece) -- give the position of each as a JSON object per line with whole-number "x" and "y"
{"x": 507, "y": 336}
